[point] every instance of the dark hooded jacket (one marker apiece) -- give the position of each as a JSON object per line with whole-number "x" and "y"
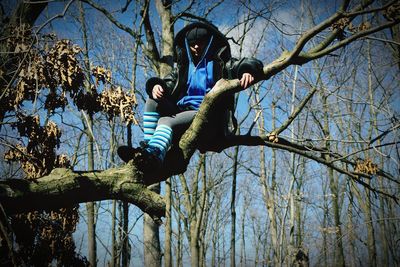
{"x": 224, "y": 66}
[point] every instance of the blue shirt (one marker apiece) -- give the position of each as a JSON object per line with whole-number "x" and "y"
{"x": 200, "y": 79}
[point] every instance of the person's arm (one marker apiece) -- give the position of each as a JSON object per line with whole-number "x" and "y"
{"x": 248, "y": 71}
{"x": 158, "y": 88}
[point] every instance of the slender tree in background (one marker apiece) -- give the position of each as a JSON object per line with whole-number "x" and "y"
{"x": 87, "y": 120}
{"x": 162, "y": 61}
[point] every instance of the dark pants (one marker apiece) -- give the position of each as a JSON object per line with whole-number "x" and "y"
{"x": 171, "y": 115}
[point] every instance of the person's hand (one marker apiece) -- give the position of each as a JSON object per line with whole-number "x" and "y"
{"x": 246, "y": 80}
{"x": 157, "y": 92}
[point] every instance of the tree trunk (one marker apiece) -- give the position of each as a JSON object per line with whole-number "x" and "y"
{"x": 233, "y": 208}
{"x": 168, "y": 225}
{"x": 293, "y": 194}
{"x": 215, "y": 236}
{"x": 352, "y": 237}
{"x": 91, "y": 224}
{"x": 126, "y": 250}
{"x": 333, "y": 184}
{"x": 197, "y": 213}
{"x": 194, "y": 248}
{"x": 243, "y": 258}
{"x": 269, "y": 188}
{"x": 114, "y": 249}
{"x": 88, "y": 120}
{"x": 152, "y": 248}
{"x": 374, "y": 128}
{"x": 370, "y": 230}
{"x": 179, "y": 245}
{"x": 151, "y": 241}
{"x": 334, "y": 188}
{"x": 90, "y": 206}
{"x": 325, "y": 225}
{"x": 114, "y": 246}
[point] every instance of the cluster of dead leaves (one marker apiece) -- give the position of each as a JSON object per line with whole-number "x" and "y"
{"x": 54, "y": 72}
{"x": 341, "y": 24}
{"x": 61, "y": 74}
{"x": 38, "y": 158}
{"x": 101, "y": 75}
{"x": 344, "y": 23}
{"x": 391, "y": 13}
{"x": 366, "y": 166}
{"x": 363, "y": 26}
{"x": 51, "y": 73}
{"x": 55, "y": 68}
{"x": 88, "y": 101}
{"x": 45, "y": 235}
{"x": 51, "y": 232}
{"x": 19, "y": 39}
{"x": 116, "y": 102}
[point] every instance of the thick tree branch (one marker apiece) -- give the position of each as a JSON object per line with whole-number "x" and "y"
{"x": 64, "y": 187}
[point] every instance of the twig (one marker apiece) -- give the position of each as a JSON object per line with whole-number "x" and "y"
{"x": 295, "y": 113}
{"x": 383, "y": 134}
{"x": 56, "y": 16}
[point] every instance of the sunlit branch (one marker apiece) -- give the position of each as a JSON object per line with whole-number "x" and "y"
{"x": 348, "y": 40}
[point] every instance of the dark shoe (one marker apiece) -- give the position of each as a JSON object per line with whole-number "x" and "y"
{"x": 151, "y": 160}
{"x": 143, "y": 144}
{"x": 127, "y": 153}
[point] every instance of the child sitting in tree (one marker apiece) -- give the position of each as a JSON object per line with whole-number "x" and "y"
{"x": 203, "y": 57}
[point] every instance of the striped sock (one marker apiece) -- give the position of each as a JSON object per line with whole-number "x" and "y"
{"x": 150, "y": 120}
{"x": 161, "y": 139}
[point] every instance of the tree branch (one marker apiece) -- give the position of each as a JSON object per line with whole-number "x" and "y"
{"x": 112, "y": 19}
{"x": 151, "y": 50}
{"x": 298, "y": 57}
{"x": 64, "y": 187}
{"x": 295, "y": 113}
{"x": 307, "y": 152}
{"x": 346, "y": 41}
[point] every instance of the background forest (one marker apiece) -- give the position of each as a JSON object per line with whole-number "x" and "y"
{"x": 321, "y": 190}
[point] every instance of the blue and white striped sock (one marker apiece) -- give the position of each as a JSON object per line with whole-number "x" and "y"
{"x": 150, "y": 120}
{"x": 161, "y": 139}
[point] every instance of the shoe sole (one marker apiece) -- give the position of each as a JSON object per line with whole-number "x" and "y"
{"x": 126, "y": 153}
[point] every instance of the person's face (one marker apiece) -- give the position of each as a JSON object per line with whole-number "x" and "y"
{"x": 197, "y": 48}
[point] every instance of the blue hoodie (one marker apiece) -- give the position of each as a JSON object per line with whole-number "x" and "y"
{"x": 200, "y": 79}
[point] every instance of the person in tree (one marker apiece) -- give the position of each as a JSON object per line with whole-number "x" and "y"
{"x": 202, "y": 56}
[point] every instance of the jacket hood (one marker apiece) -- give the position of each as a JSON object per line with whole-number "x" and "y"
{"x": 219, "y": 41}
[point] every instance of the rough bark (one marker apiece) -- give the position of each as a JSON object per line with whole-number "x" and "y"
{"x": 168, "y": 225}
{"x": 64, "y": 187}
{"x": 233, "y": 207}
{"x": 151, "y": 239}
